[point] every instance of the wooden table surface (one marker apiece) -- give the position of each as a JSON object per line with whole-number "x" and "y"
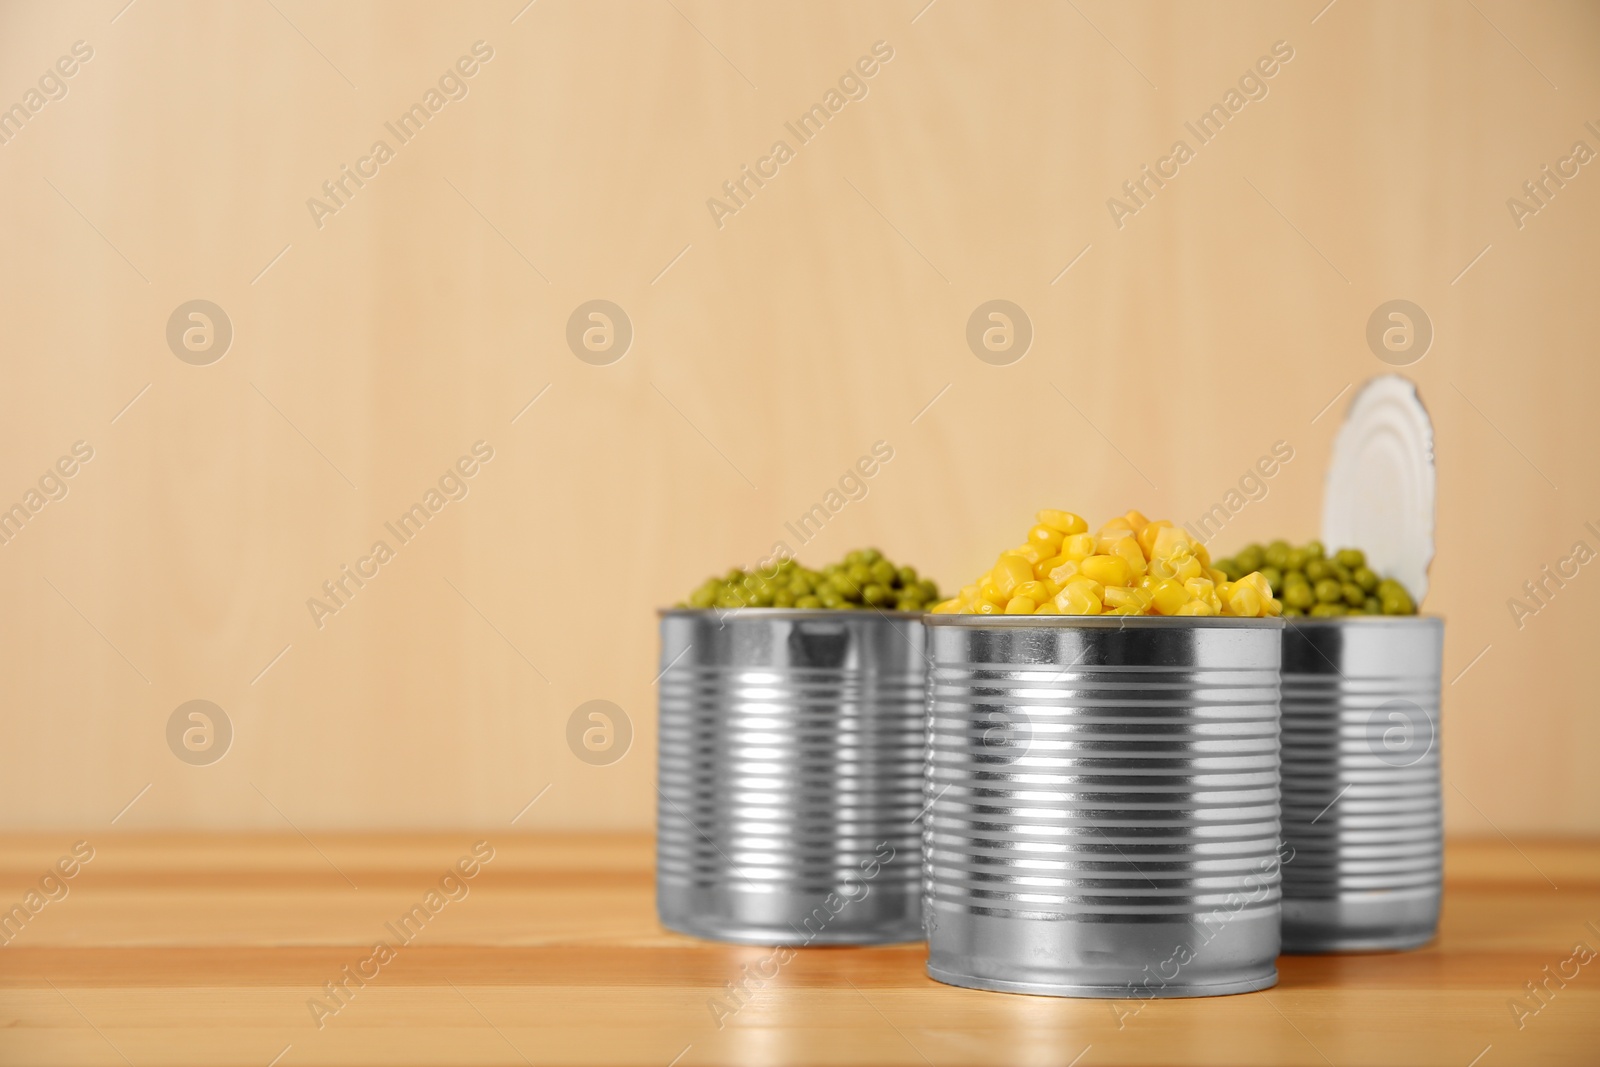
{"x": 213, "y": 950}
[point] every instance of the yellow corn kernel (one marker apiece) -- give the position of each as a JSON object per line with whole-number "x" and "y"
{"x": 1196, "y": 607}
{"x": 1203, "y": 554}
{"x": 1147, "y": 583}
{"x": 1171, "y": 541}
{"x": 1105, "y": 542}
{"x": 1063, "y": 522}
{"x": 1256, "y": 580}
{"x": 1010, "y": 571}
{"x": 1274, "y": 608}
{"x": 1130, "y": 609}
{"x": 1203, "y": 589}
{"x": 1147, "y": 536}
{"x": 1037, "y": 592}
{"x": 1111, "y": 528}
{"x": 969, "y": 592}
{"x": 1064, "y": 570}
{"x": 985, "y": 607}
{"x": 1047, "y": 608}
{"x": 1078, "y": 598}
{"x": 1042, "y": 569}
{"x": 1186, "y": 567}
{"x": 1168, "y": 595}
{"x": 1128, "y": 549}
{"x": 1088, "y": 583}
{"x": 1078, "y": 547}
{"x": 947, "y": 607}
{"x": 1161, "y": 567}
{"x": 1224, "y": 589}
{"x": 990, "y": 592}
{"x": 1216, "y": 576}
{"x": 1043, "y": 537}
{"x": 1118, "y": 597}
{"x": 1020, "y": 605}
{"x": 1244, "y": 601}
{"x": 1136, "y": 521}
{"x": 1031, "y": 552}
{"x": 1108, "y": 570}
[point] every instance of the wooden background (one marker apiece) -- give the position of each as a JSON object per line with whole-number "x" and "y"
{"x": 371, "y": 351}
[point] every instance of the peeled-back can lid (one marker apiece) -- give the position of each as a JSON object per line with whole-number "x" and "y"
{"x": 1381, "y": 483}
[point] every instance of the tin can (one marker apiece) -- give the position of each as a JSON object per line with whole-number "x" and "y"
{"x": 1361, "y": 795}
{"x": 1103, "y": 805}
{"x": 790, "y": 775}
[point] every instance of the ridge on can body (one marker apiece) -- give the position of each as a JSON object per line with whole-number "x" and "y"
{"x": 1103, "y": 804}
{"x": 1362, "y": 802}
{"x": 790, "y": 775}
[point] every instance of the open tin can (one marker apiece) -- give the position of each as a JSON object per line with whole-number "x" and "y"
{"x": 1361, "y": 796}
{"x": 1103, "y": 805}
{"x": 790, "y": 775}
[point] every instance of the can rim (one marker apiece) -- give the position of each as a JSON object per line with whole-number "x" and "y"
{"x": 1103, "y": 622}
{"x": 1308, "y": 622}
{"x": 791, "y": 613}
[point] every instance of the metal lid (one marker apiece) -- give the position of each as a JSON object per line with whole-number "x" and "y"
{"x": 1381, "y": 483}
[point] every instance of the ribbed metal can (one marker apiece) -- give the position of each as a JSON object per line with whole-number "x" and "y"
{"x": 790, "y": 775}
{"x": 1103, "y": 805}
{"x": 1361, "y": 795}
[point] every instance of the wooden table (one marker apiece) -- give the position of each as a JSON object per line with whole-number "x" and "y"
{"x": 212, "y": 950}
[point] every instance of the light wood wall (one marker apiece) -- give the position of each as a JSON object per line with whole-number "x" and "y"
{"x": 373, "y": 346}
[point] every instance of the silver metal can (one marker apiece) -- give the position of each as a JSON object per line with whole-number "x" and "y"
{"x": 1361, "y": 796}
{"x": 1102, "y": 800}
{"x": 790, "y": 775}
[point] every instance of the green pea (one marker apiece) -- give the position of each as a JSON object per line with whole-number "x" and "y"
{"x": 1274, "y": 578}
{"x": 1314, "y": 550}
{"x": 807, "y": 602}
{"x": 829, "y": 597}
{"x": 702, "y": 598}
{"x": 906, "y": 577}
{"x": 883, "y": 572}
{"x": 929, "y": 590}
{"x": 783, "y": 598}
{"x": 1329, "y": 591}
{"x": 870, "y": 555}
{"x": 876, "y": 595}
{"x": 908, "y": 603}
{"x": 1353, "y": 594}
{"x": 1365, "y": 578}
{"x": 1350, "y": 557}
{"x": 1328, "y": 611}
{"x": 1372, "y": 606}
{"x": 1248, "y": 559}
{"x": 1296, "y": 560}
{"x": 1397, "y": 602}
{"x": 1318, "y": 569}
{"x": 1341, "y": 572}
{"x": 1276, "y": 555}
{"x": 1292, "y": 613}
{"x": 1298, "y": 595}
